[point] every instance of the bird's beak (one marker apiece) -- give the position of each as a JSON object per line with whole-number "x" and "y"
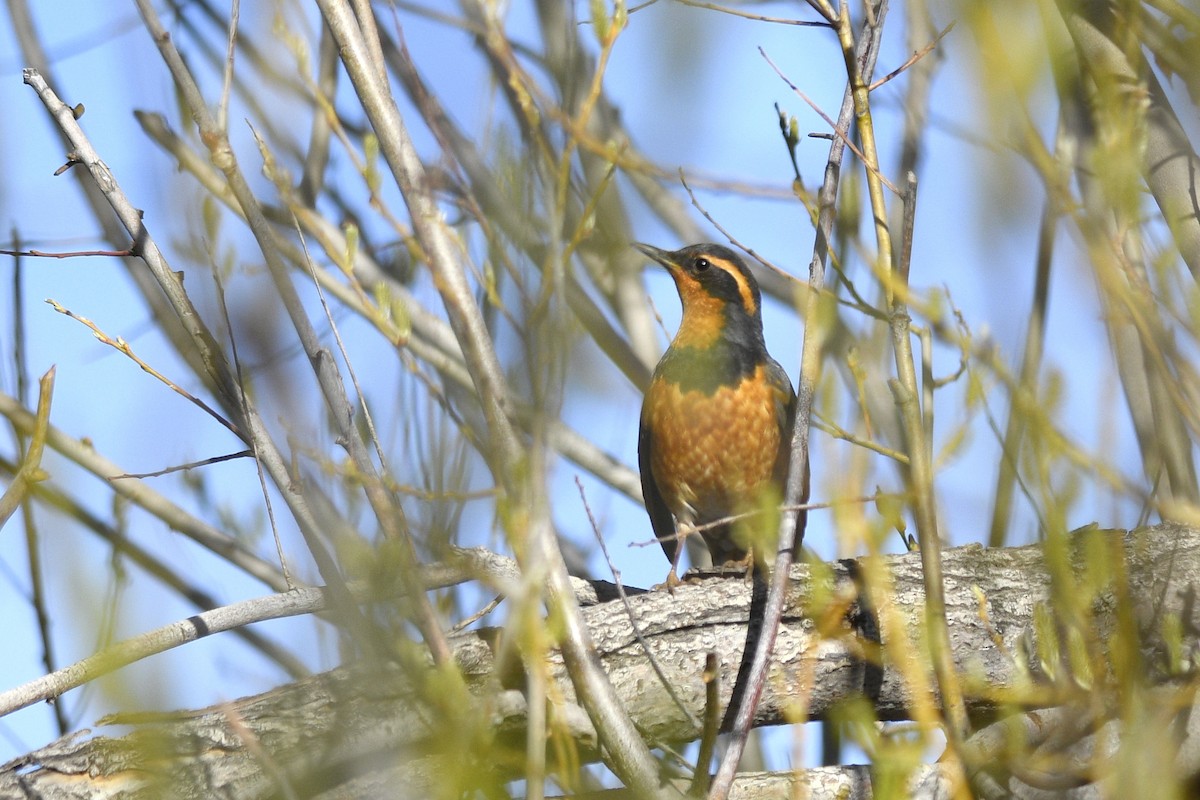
{"x": 661, "y": 256}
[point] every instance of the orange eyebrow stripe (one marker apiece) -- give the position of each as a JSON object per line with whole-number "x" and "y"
{"x": 743, "y": 284}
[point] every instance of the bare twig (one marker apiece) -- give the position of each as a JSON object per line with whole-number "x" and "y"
{"x": 70, "y": 254}
{"x": 914, "y": 58}
{"x": 736, "y": 12}
{"x": 689, "y": 530}
{"x": 470, "y": 620}
{"x": 204, "y": 462}
{"x": 833, "y": 126}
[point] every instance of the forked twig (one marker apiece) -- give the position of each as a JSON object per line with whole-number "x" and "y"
{"x": 914, "y": 58}
{"x": 123, "y": 347}
{"x": 844, "y": 135}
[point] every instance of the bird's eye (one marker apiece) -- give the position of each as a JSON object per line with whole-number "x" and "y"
{"x": 702, "y": 264}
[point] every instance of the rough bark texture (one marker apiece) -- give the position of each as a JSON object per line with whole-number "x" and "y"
{"x": 348, "y": 733}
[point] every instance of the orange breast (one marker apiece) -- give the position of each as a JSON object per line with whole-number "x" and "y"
{"x": 713, "y": 453}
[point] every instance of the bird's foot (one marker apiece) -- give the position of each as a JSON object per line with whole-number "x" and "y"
{"x": 743, "y": 566}
{"x": 670, "y": 583}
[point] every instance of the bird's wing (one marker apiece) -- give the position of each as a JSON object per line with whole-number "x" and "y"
{"x": 785, "y": 413}
{"x": 661, "y": 519}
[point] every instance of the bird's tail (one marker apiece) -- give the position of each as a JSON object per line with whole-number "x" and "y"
{"x": 758, "y": 607}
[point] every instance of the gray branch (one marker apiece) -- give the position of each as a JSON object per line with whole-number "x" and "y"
{"x": 351, "y": 724}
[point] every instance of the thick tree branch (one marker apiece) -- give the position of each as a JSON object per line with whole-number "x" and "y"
{"x": 336, "y": 721}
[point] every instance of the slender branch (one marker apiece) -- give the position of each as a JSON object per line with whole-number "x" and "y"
{"x": 914, "y": 58}
{"x": 204, "y": 462}
{"x": 797, "y": 489}
{"x": 736, "y": 12}
{"x": 218, "y": 620}
{"x": 215, "y": 365}
{"x": 31, "y": 471}
{"x": 71, "y": 254}
{"x": 633, "y": 623}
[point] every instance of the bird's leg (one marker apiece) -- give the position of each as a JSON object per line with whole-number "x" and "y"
{"x": 681, "y": 533}
{"x": 683, "y": 529}
{"x": 748, "y": 564}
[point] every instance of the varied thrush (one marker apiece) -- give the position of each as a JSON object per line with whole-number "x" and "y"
{"x": 717, "y": 418}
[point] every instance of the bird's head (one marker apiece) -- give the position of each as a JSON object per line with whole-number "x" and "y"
{"x": 719, "y": 294}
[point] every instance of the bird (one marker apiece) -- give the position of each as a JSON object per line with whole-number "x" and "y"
{"x": 716, "y": 421}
